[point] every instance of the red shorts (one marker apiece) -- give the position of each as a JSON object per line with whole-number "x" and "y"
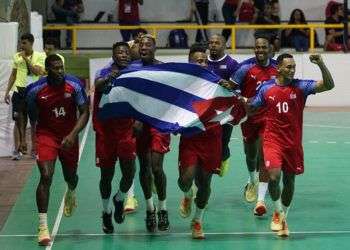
{"x": 152, "y": 140}
{"x": 252, "y": 130}
{"x": 48, "y": 148}
{"x": 111, "y": 145}
{"x": 205, "y": 153}
{"x": 289, "y": 159}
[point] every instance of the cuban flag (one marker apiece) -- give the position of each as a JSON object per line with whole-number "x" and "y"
{"x": 171, "y": 97}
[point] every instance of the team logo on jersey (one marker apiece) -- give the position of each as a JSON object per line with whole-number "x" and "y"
{"x": 67, "y": 95}
{"x": 272, "y": 97}
{"x": 293, "y": 96}
{"x": 223, "y": 66}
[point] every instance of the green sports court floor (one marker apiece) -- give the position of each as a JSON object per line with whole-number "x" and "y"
{"x": 319, "y": 217}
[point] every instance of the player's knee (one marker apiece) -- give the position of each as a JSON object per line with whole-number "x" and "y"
{"x": 184, "y": 183}
{"x": 46, "y": 179}
{"x": 157, "y": 171}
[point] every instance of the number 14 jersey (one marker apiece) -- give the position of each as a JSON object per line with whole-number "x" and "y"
{"x": 55, "y": 106}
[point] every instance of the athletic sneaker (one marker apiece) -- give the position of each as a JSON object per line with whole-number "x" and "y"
{"x": 251, "y": 192}
{"x": 118, "y": 210}
{"x": 224, "y": 167}
{"x": 185, "y": 207}
{"x": 43, "y": 236}
{"x": 107, "y": 225}
{"x": 284, "y": 231}
{"x": 197, "y": 231}
{"x": 151, "y": 221}
{"x": 276, "y": 222}
{"x": 130, "y": 205}
{"x": 70, "y": 203}
{"x": 16, "y": 155}
{"x": 163, "y": 220}
{"x": 260, "y": 208}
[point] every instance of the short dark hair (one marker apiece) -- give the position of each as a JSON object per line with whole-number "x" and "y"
{"x": 119, "y": 44}
{"x": 28, "y": 36}
{"x": 51, "y": 58}
{"x": 281, "y": 57}
{"x": 138, "y": 31}
{"x": 260, "y": 35}
{"x": 196, "y": 47}
{"x": 51, "y": 41}
{"x": 334, "y": 8}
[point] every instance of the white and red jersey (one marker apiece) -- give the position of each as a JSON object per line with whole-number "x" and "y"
{"x": 284, "y": 110}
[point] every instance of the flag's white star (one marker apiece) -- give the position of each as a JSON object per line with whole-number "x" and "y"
{"x": 223, "y": 116}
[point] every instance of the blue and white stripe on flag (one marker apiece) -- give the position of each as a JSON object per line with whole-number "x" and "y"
{"x": 163, "y": 95}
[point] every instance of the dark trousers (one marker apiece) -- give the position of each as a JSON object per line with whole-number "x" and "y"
{"x": 203, "y": 11}
{"x": 228, "y": 14}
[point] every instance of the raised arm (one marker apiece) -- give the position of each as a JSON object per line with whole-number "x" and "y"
{"x": 327, "y": 82}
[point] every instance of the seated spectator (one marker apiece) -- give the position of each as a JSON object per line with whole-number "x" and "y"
{"x": 269, "y": 16}
{"x": 128, "y": 14}
{"x": 247, "y": 11}
{"x": 299, "y": 38}
{"x": 335, "y": 37}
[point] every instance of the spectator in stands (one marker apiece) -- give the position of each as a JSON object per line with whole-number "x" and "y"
{"x": 201, "y": 14}
{"x": 247, "y": 11}
{"x": 335, "y": 37}
{"x": 269, "y": 16}
{"x": 230, "y": 10}
{"x": 67, "y": 11}
{"x": 299, "y": 37}
{"x": 128, "y": 14}
{"x": 28, "y": 66}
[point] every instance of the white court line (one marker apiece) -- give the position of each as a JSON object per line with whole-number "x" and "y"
{"x": 347, "y": 142}
{"x": 324, "y": 126}
{"x": 60, "y": 210}
{"x": 331, "y": 142}
{"x": 169, "y": 234}
{"x": 313, "y": 141}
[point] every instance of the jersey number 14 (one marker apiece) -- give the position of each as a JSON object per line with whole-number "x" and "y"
{"x": 59, "y": 112}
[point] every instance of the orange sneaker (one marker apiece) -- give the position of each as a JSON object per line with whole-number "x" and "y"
{"x": 276, "y": 222}
{"x": 185, "y": 207}
{"x": 43, "y": 236}
{"x": 260, "y": 208}
{"x": 284, "y": 231}
{"x": 197, "y": 231}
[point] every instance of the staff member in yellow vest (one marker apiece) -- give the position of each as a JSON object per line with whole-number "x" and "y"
{"x": 28, "y": 66}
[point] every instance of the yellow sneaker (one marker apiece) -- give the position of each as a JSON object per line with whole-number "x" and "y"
{"x": 197, "y": 231}
{"x": 284, "y": 231}
{"x": 130, "y": 205}
{"x": 276, "y": 222}
{"x": 70, "y": 203}
{"x": 251, "y": 192}
{"x": 225, "y": 165}
{"x": 185, "y": 207}
{"x": 43, "y": 236}
{"x": 260, "y": 208}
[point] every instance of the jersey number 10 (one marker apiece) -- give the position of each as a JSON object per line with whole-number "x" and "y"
{"x": 59, "y": 112}
{"x": 282, "y": 107}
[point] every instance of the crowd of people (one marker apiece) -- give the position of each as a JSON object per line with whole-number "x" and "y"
{"x": 58, "y": 108}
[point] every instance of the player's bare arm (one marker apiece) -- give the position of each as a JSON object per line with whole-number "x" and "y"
{"x": 327, "y": 82}
{"x": 70, "y": 139}
{"x": 11, "y": 81}
{"x": 36, "y": 70}
{"x": 101, "y": 83}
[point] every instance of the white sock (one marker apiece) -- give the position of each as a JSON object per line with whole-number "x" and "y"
{"x": 262, "y": 190}
{"x": 285, "y": 209}
{"x": 162, "y": 205}
{"x": 105, "y": 206}
{"x": 252, "y": 177}
{"x": 189, "y": 194}
{"x": 150, "y": 204}
{"x": 43, "y": 219}
{"x": 256, "y": 176}
{"x": 198, "y": 215}
{"x": 120, "y": 196}
{"x": 131, "y": 190}
{"x": 278, "y": 205}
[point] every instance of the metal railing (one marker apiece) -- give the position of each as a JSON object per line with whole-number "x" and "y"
{"x": 156, "y": 27}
